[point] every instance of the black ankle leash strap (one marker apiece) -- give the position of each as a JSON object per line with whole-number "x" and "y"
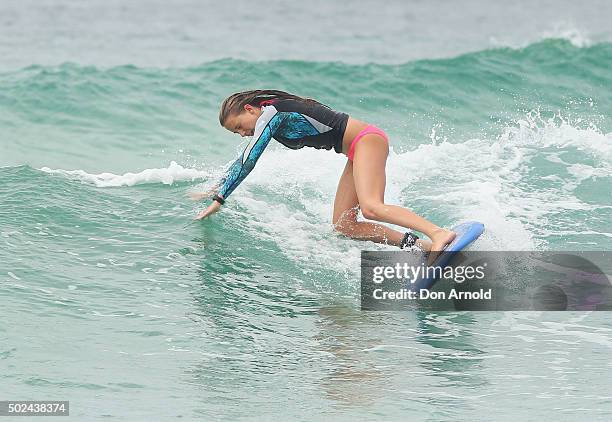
{"x": 408, "y": 240}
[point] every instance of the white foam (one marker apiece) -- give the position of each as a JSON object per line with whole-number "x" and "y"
{"x": 567, "y": 32}
{"x": 557, "y": 131}
{"x": 561, "y": 30}
{"x": 303, "y": 230}
{"x": 173, "y": 173}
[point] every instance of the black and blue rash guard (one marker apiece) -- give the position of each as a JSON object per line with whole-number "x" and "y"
{"x": 293, "y": 123}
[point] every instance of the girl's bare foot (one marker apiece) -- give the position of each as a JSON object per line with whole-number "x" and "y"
{"x": 439, "y": 240}
{"x": 425, "y": 245}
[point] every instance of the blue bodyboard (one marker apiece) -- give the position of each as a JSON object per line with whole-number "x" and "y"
{"x": 466, "y": 233}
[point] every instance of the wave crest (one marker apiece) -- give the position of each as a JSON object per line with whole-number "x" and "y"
{"x": 173, "y": 173}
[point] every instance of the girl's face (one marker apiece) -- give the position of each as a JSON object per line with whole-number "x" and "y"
{"x": 243, "y": 123}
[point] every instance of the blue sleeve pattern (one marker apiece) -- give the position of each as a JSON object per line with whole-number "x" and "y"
{"x": 239, "y": 170}
{"x": 300, "y": 126}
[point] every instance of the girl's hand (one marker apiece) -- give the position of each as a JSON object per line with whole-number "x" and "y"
{"x": 212, "y": 208}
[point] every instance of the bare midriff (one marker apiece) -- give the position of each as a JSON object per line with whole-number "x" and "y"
{"x": 353, "y": 127}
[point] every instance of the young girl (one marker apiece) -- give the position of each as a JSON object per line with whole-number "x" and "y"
{"x": 297, "y": 122}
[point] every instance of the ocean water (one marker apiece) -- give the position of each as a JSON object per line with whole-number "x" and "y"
{"x": 110, "y": 299}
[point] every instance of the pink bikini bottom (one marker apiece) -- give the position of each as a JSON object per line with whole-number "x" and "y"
{"x": 368, "y": 129}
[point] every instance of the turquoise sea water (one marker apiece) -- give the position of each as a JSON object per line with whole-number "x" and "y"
{"x": 108, "y": 300}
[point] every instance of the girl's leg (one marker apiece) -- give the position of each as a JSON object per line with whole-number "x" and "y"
{"x": 346, "y": 209}
{"x": 369, "y": 164}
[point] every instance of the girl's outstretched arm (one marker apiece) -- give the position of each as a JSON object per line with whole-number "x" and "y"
{"x": 266, "y": 127}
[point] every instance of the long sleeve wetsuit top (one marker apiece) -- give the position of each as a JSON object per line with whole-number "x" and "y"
{"x": 293, "y": 123}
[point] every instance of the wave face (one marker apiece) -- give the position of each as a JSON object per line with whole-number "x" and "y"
{"x": 519, "y": 136}
{"x": 96, "y": 163}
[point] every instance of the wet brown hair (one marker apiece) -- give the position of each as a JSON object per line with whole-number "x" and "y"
{"x": 234, "y": 103}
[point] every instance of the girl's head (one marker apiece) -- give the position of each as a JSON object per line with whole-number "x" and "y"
{"x": 240, "y": 111}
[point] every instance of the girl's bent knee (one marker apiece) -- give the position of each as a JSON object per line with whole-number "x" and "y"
{"x": 372, "y": 211}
